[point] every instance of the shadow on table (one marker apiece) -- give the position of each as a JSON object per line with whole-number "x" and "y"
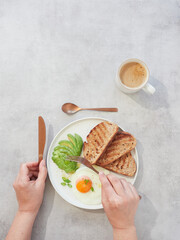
{"x": 146, "y": 214}
{"x": 140, "y": 150}
{"x": 97, "y": 211}
{"x": 145, "y": 218}
{"x": 153, "y": 102}
{"x": 39, "y": 229}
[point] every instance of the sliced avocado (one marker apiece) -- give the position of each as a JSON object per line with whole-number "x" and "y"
{"x": 68, "y": 167}
{"x": 62, "y": 151}
{"x": 56, "y": 148}
{"x": 79, "y": 142}
{"x": 56, "y": 156}
{"x": 67, "y": 150}
{"x": 66, "y": 143}
{"x": 73, "y": 140}
{"x": 55, "y": 153}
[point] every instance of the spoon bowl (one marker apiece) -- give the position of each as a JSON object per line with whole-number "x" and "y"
{"x": 70, "y": 108}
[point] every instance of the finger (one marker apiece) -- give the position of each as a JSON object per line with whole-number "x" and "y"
{"x": 135, "y": 193}
{"x": 33, "y": 173}
{"x": 42, "y": 172}
{"x": 34, "y": 168}
{"x": 126, "y": 187}
{"x": 23, "y": 173}
{"x": 32, "y": 164}
{"x": 116, "y": 183}
{"x": 31, "y": 176}
{"x": 107, "y": 189}
{"x": 131, "y": 191}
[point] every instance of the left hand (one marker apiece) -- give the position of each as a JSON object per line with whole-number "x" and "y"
{"x": 29, "y": 186}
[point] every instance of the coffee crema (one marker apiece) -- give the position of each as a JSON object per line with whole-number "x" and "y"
{"x": 133, "y": 74}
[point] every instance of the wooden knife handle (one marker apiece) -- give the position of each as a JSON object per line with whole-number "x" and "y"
{"x": 40, "y": 158}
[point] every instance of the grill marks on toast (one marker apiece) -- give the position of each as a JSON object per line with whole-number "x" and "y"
{"x": 123, "y": 143}
{"x": 109, "y": 148}
{"x": 124, "y": 165}
{"x": 98, "y": 139}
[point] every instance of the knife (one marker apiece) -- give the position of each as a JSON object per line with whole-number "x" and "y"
{"x": 82, "y": 160}
{"x": 41, "y": 137}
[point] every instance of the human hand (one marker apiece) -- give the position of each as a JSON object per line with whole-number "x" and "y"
{"x": 29, "y": 186}
{"x": 120, "y": 201}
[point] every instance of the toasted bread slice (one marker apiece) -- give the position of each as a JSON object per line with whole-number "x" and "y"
{"x": 123, "y": 143}
{"x": 125, "y": 165}
{"x": 98, "y": 139}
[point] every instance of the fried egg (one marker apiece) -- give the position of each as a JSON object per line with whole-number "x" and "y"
{"x": 86, "y": 185}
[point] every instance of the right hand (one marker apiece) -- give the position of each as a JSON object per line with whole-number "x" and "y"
{"x": 120, "y": 201}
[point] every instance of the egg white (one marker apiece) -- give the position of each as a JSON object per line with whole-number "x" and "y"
{"x": 91, "y": 197}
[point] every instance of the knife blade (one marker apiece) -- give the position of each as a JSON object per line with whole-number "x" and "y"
{"x": 41, "y": 137}
{"x": 82, "y": 160}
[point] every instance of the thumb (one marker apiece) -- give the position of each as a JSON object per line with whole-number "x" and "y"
{"x": 42, "y": 172}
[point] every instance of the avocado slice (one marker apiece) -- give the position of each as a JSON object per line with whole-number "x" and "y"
{"x": 67, "y": 166}
{"x": 63, "y": 151}
{"x": 79, "y": 142}
{"x": 67, "y": 150}
{"x": 73, "y": 140}
{"x": 57, "y": 155}
{"x": 56, "y": 148}
{"x": 66, "y": 143}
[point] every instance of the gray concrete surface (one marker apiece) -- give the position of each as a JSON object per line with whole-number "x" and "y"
{"x": 53, "y": 52}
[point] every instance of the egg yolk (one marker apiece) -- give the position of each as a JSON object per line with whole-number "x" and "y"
{"x": 83, "y": 184}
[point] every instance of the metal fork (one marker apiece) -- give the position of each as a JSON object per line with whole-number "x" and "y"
{"x": 81, "y": 160}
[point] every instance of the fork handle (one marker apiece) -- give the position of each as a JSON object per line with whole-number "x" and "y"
{"x": 102, "y": 109}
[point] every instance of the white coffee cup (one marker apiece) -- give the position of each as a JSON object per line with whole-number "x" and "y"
{"x": 148, "y": 88}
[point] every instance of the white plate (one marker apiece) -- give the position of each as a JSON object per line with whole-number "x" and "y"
{"x": 81, "y": 127}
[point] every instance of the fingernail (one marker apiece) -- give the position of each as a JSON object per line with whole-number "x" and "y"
{"x": 43, "y": 163}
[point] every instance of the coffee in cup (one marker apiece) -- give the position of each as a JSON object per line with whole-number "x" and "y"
{"x": 133, "y": 75}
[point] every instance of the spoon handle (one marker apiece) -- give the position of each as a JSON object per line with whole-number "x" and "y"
{"x": 102, "y": 109}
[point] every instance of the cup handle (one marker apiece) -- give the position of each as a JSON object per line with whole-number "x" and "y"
{"x": 148, "y": 88}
